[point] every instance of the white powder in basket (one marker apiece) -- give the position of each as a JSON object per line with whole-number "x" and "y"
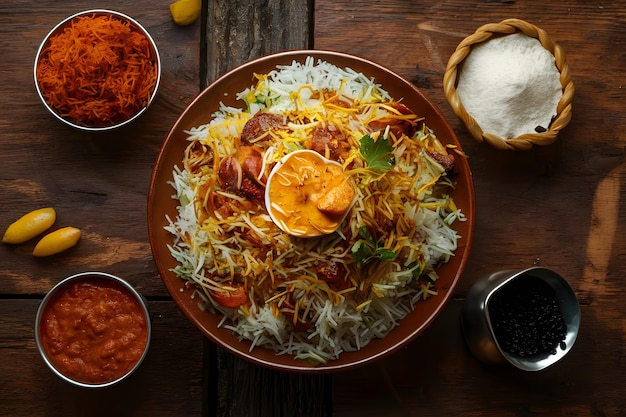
{"x": 510, "y": 85}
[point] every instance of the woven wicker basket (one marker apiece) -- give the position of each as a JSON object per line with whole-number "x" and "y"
{"x": 526, "y": 141}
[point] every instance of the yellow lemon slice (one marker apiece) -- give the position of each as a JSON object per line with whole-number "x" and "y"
{"x": 185, "y": 12}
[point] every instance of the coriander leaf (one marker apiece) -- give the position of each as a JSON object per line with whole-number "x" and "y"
{"x": 416, "y": 270}
{"x": 367, "y": 250}
{"x": 385, "y": 254}
{"x": 362, "y": 252}
{"x": 377, "y": 154}
{"x": 365, "y": 233}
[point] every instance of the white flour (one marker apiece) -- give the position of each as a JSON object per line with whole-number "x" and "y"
{"x": 510, "y": 85}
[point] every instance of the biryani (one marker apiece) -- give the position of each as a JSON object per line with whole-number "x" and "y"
{"x": 314, "y": 297}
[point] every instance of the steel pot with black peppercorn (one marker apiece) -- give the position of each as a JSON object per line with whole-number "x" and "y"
{"x": 528, "y": 318}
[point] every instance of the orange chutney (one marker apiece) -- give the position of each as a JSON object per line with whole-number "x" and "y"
{"x": 94, "y": 330}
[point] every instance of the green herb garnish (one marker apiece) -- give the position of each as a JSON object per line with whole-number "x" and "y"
{"x": 366, "y": 250}
{"x": 377, "y": 153}
{"x": 416, "y": 270}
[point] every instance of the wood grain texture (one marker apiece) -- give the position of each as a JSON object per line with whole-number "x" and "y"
{"x": 240, "y": 30}
{"x": 562, "y": 206}
{"x": 169, "y": 382}
{"x": 99, "y": 183}
{"x": 245, "y": 390}
{"x": 96, "y": 182}
{"x": 436, "y": 375}
{"x": 236, "y": 32}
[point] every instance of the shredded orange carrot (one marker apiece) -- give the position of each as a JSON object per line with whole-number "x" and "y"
{"x": 98, "y": 71}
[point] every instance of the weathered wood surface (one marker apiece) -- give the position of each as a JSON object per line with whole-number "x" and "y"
{"x": 99, "y": 183}
{"x": 240, "y": 30}
{"x": 236, "y": 32}
{"x": 560, "y": 206}
{"x": 169, "y": 382}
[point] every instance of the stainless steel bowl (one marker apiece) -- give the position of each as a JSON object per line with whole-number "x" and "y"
{"x": 62, "y": 286}
{"x": 136, "y": 26}
{"x": 477, "y": 323}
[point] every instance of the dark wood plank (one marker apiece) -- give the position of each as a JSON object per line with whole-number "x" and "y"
{"x": 169, "y": 381}
{"x": 236, "y": 32}
{"x": 240, "y": 30}
{"x": 244, "y": 389}
{"x": 561, "y": 206}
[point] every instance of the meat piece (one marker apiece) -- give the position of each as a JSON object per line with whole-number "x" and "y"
{"x": 260, "y": 124}
{"x": 252, "y": 190}
{"x": 333, "y": 273}
{"x": 251, "y": 162}
{"x": 240, "y": 173}
{"x": 246, "y": 163}
{"x": 397, "y": 126}
{"x": 230, "y": 173}
{"x": 443, "y": 159}
{"x": 337, "y": 200}
{"x": 223, "y": 207}
{"x": 330, "y": 138}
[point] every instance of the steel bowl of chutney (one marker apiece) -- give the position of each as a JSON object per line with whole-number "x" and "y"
{"x": 93, "y": 329}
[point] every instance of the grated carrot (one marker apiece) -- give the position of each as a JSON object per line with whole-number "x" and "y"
{"x": 99, "y": 71}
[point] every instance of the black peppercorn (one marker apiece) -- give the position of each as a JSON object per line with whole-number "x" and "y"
{"x": 526, "y": 318}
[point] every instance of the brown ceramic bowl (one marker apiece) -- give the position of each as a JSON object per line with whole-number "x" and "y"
{"x": 161, "y": 204}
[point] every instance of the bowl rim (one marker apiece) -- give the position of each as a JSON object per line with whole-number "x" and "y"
{"x": 267, "y": 199}
{"x": 60, "y": 26}
{"x": 174, "y": 284}
{"x": 483, "y": 34}
{"x": 86, "y": 276}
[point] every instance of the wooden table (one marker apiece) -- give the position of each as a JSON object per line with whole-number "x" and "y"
{"x": 560, "y": 206}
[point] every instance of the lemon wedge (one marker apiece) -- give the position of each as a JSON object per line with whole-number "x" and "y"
{"x": 30, "y": 225}
{"x": 185, "y": 12}
{"x": 57, "y": 241}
